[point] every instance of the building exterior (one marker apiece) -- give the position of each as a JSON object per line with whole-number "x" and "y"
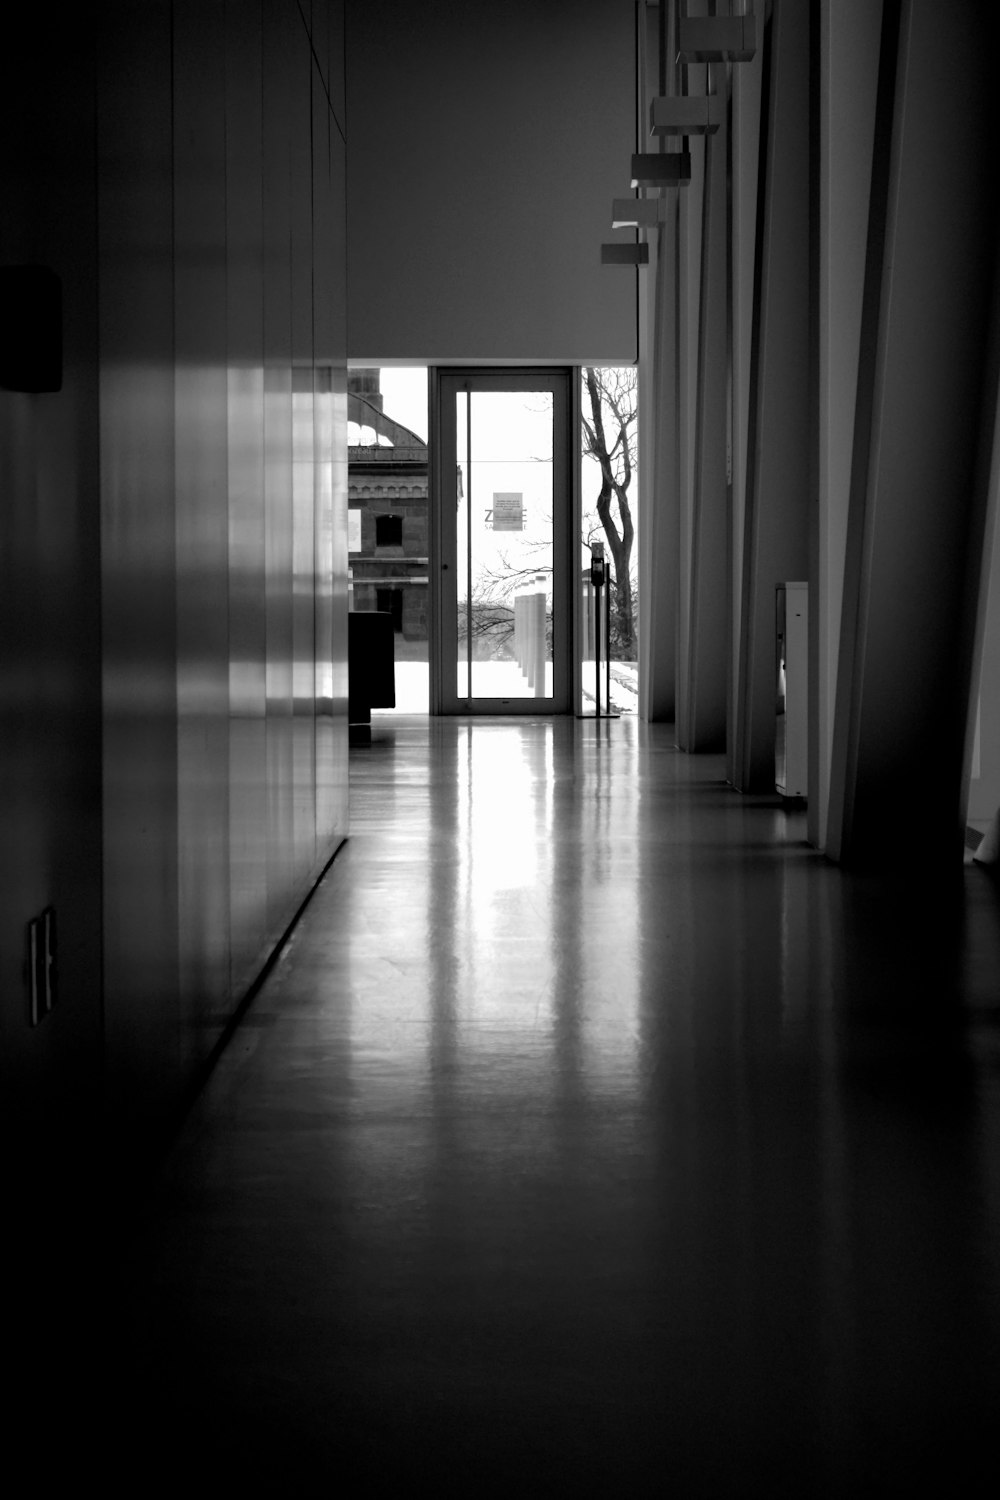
{"x": 387, "y": 515}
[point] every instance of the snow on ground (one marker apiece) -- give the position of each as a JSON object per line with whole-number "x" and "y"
{"x": 503, "y": 680}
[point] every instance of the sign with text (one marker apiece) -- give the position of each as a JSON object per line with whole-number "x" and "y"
{"x": 508, "y": 510}
{"x": 354, "y": 529}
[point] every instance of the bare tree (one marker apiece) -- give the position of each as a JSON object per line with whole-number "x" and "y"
{"x": 609, "y": 436}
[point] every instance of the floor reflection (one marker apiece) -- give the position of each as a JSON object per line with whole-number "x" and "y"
{"x": 593, "y": 1136}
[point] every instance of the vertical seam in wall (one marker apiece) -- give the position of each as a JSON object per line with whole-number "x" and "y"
{"x": 322, "y": 71}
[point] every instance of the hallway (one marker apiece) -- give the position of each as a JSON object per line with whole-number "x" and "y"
{"x": 592, "y": 1135}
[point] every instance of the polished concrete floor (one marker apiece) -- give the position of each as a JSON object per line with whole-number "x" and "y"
{"x": 593, "y": 1135}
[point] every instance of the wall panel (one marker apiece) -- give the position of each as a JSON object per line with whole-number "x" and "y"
{"x": 279, "y": 40}
{"x": 744, "y": 133}
{"x": 689, "y": 286}
{"x": 173, "y": 630}
{"x": 211, "y": 500}
{"x": 660, "y": 522}
{"x": 245, "y": 473}
{"x": 50, "y": 731}
{"x": 849, "y": 61}
{"x": 138, "y": 558}
{"x": 334, "y": 261}
{"x": 776, "y": 520}
{"x": 303, "y": 515}
{"x": 201, "y": 407}
{"x": 704, "y": 727}
{"x": 330, "y": 476}
{"x": 925, "y": 411}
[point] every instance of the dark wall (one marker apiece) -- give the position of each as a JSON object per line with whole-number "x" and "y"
{"x": 174, "y": 526}
{"x": 50, "y": 671}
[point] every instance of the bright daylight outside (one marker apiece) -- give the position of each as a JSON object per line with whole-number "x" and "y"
{"x": 504, "y": 523}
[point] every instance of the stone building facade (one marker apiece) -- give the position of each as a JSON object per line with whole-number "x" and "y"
{"x": 387, "y": 515}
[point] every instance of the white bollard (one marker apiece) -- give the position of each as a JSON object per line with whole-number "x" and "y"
{"x": 519, "y": 630}
{"x": 537, "y": 680}
{"x": 529, "y": 639}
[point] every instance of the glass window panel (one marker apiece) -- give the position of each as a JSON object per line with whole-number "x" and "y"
{"x": 506, "y": 540}
{"x": 462, "y": 550}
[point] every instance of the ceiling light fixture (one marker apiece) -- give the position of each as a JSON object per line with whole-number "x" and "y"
{"x": 635, "y": 213}
{"x": 716, "y": 38}
{"x": 624, "y": 255}
{"x": 699, "y": 114}
{"x": 661, "y": 169}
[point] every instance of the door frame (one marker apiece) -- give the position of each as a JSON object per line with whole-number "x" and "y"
{"x": 443, "y": 384}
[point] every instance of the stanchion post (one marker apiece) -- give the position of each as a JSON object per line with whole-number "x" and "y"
{"x": 597, "y": 578}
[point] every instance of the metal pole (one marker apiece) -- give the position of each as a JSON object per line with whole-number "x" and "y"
{"x": 468, "y": 543}
{"x": 597, "y": 649}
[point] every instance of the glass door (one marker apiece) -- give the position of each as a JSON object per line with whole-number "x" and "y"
{"x": 502, "y": 490}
